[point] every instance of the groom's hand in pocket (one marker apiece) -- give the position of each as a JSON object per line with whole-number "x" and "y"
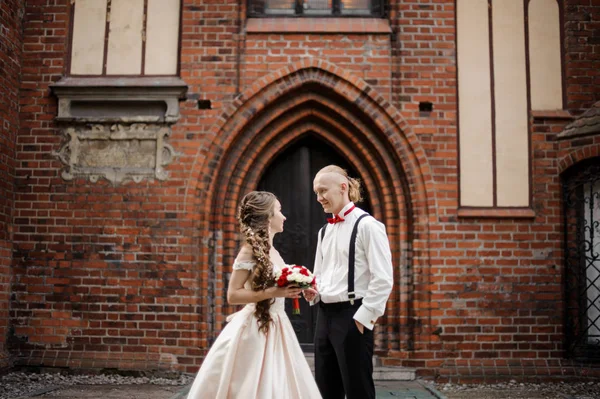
{"x": 310, "y": 294}
{"x": 361, "y": 328}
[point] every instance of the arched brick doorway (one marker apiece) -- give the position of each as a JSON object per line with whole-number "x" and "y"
{"x": 290, "y": 177}
{"x": 313, "y": 97}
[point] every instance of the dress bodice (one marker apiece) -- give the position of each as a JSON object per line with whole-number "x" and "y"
{"x": 279, "y": 304}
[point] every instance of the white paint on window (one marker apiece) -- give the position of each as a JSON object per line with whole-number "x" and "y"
{"x": 162, "y": 37}
{"x": 475, "y": 103}
{"x": 87, "y": 48}
{"x": 125, "y": 37}
{"x": 544, "y": 55}
{"x": 510, "y": 94}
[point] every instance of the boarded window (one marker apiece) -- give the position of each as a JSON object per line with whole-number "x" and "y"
{"x": 125, "y": 37}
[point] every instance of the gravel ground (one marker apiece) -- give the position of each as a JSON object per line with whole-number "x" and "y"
{"x": 20, "y": 384}
{"x": 516, "y": 390}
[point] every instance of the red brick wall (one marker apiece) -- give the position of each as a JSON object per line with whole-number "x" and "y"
{"x": 104, "y": 276}
{"x": 133, "y": 276}
{"x": 11, "y": 41}
{"x": 44, "y": 30}
{"x": 365, "y": 55}
{"x": 425, "y": 71}
{"x": 582, "y": 57}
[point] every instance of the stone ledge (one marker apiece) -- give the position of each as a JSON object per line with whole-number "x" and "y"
{"x": 505, "y": 213}
{"x": 318, "y": 25}
{"x": 381, "y": 373}
{"x": 119, "y": 99}
{"x": 552, "y": 114}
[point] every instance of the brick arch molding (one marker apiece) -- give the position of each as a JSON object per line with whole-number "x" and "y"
{"x": 577, "y": 156}
{"x": 269, "y": 116}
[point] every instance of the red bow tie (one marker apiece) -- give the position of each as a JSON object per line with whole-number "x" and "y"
{"x": 337, "y": 218}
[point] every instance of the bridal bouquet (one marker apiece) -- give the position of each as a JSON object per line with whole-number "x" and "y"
{"x": 297, "y": 275}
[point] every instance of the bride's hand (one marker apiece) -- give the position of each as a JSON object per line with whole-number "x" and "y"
{"x": 310, "y": 294}
{"x": 291, "y": 291}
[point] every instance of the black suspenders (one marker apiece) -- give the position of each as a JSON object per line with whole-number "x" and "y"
{"x": 351, "y": 256}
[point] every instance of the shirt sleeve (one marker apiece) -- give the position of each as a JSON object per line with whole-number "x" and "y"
{"x": 317, "y": 268}
{"x": 379, "y": 258}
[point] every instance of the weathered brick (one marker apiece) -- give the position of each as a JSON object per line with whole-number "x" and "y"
{"x": 11, "y": 45}
{"x": 129, "y": 272}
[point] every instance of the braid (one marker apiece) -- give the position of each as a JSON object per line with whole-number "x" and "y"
{"x": 254, "y": 216}
{"x": 354, "y": 190}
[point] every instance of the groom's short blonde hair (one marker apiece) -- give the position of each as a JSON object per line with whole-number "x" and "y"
{"x": 354, "y": 186}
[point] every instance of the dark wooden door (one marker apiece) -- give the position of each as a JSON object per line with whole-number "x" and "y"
{"x": 290, "y": 177}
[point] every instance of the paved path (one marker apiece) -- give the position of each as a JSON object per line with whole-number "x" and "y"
{"x": 406, "y": 390}
{"x": 385, "y": 390}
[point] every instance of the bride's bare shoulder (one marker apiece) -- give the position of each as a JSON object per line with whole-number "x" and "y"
{"x": 245, "y": 254}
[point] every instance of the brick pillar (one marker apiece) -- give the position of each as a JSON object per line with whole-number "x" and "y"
{"x": 582, "y": 53}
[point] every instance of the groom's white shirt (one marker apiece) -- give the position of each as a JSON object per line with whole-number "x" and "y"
{"x": 373, "y": 274}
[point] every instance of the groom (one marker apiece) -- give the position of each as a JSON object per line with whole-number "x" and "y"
{"x": 352, "y": 290}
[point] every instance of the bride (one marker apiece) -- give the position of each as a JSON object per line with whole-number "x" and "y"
{"x": 257, "y": 355}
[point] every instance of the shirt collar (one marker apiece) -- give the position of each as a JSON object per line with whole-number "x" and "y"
{"x": 348, "y": 206}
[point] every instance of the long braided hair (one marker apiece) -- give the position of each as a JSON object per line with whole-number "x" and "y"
{"x": 255, "y": 212}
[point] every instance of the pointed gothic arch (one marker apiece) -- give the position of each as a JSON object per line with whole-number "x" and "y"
{"x": 341, "y": 109}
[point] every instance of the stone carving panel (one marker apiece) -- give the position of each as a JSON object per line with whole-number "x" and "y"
{"x": 116, "y": 152}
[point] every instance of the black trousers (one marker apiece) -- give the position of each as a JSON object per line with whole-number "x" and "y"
{"x": 343, "y": 356}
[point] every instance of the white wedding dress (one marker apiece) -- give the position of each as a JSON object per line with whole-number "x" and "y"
{"x": 247, "y": 363}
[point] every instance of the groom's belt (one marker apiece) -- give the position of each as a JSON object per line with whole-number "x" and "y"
{"x": 340, "y": 305}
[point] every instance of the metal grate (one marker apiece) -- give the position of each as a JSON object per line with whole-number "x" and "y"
{"x": 581, "y": 195}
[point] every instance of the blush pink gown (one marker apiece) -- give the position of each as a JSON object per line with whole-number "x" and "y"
{"x": 245, "y": 363}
